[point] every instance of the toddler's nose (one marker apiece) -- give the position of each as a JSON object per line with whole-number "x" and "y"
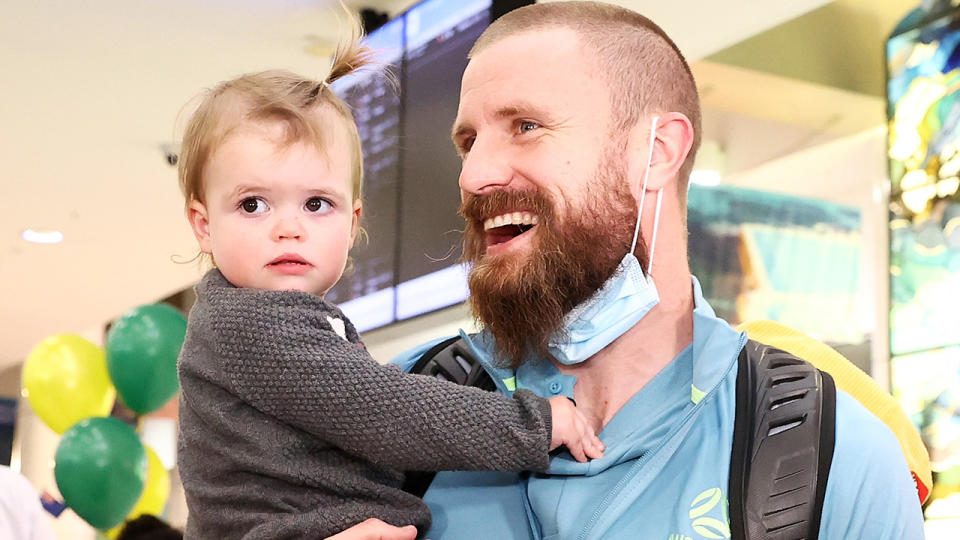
{"x": 285, "y": 228}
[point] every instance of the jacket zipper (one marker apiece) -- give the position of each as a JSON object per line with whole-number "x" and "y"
{"x": 638, "y": 465}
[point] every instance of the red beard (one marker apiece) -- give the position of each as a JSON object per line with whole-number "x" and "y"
{"x": 522, "y": 298}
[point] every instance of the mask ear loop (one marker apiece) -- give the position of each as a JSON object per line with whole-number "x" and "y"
{"x": 643, "y": 195}
{"x": 656, "y": 225}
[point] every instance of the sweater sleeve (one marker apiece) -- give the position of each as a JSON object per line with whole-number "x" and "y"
{"x": 287, "y": 360}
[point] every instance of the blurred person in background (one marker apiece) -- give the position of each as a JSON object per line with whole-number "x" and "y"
{"x": 22, "y": 517}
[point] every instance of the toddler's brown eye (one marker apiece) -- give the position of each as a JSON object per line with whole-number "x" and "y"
{"x": 253, "y": 205}
{"x": 317, "y": 205}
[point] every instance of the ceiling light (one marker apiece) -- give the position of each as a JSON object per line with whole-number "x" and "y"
{"x": 710, "y": 164}
{"x": 705, "y": 177}
{"x": 42, "y": 237}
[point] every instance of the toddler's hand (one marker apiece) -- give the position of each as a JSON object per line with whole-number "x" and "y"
{"x": 374, "y": 529}
{"x": 571, "y": 429}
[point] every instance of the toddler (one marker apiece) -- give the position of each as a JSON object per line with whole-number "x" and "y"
{"x": 288, "y": 428}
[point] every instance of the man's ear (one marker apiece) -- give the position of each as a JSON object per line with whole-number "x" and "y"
{"x": 355, "y": 224}
{"x": 200, "y": 223}
{"x": 674, "y": 139}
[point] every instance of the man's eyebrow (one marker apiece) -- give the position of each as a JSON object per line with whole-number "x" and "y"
{"x": 522, "y": 108}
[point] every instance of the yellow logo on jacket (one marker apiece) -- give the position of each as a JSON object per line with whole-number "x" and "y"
{"x": 708, "y": 516}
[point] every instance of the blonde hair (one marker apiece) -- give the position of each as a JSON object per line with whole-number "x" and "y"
{"x": 273, "y": 95}
{"x": 644, "y": 70}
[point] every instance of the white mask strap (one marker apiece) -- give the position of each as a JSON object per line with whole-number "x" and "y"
{"x": 656, "y": 225}
{"x": 643, "y": 195}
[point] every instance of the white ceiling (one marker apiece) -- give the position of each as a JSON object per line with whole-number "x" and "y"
{"x": 90, "y": 91}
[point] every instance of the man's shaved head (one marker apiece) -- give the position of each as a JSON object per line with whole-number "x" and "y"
{"x": 641, "y": 66}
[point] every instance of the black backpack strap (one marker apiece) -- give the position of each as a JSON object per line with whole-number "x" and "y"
{"x": 783, "y": 440}
{"x": 450, "y": 360}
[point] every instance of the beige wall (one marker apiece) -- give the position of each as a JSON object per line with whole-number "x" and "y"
{"x": 10, "y": 381}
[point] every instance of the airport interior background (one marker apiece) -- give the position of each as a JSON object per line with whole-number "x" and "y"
{"x": 824, "y": 196}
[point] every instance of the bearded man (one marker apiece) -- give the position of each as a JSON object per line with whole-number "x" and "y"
{"x": 577, "y": 126}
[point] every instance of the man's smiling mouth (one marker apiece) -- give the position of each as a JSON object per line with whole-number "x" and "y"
{"x": 506, "y": 227}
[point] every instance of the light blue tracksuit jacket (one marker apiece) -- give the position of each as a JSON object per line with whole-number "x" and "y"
{"x": 664, "y": 475}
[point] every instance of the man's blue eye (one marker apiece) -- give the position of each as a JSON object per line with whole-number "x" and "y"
{"x": 253, "y": 205}
{"x": 526, "y": 125}
{"x": 318, "y": 205}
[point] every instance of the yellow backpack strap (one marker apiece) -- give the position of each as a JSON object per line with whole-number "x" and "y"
{"x": 856, "y": 383}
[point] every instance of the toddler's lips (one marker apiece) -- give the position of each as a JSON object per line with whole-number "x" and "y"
{"x": 289, "y": 258}
{"x": 290, "y": 264}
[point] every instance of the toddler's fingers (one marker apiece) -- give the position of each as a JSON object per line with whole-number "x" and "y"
{"x": 576, "y": 450}
{"x": 586, "y": 432}
{"x": 599, "y": 443}
{"x": 375, "y": 529}
{"x": 592, "y": 450}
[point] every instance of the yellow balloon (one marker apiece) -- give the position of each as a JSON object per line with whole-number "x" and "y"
{"x": 155, "y": 492}
{"x": 66, "y": 380}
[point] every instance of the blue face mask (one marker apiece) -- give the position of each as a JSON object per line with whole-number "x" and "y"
{"x": 620, "y": 303}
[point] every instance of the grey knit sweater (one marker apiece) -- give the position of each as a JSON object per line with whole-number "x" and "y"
{"x": 289, "y": 430}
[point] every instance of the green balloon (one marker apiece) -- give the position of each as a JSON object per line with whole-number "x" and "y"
{"x": 101, "y": 468}
{"x": 142, "y": 349}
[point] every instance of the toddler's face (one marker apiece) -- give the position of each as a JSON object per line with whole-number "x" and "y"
{"x": 278, "y": 218}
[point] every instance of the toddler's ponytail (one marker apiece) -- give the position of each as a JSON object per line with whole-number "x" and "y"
{"x": 351, "y": 55}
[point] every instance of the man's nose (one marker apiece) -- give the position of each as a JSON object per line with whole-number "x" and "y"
{"x": 287, "y": 227}
{"x": 485, "y": 167}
